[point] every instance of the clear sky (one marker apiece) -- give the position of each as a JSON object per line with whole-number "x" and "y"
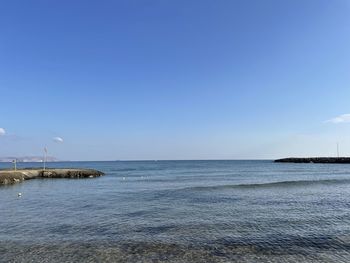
{"x": 174, "y": 79}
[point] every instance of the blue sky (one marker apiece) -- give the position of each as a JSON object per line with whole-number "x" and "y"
{"x": 174, "y": 79}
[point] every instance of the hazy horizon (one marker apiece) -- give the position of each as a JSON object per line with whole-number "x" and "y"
{"x": 175, "y": 80}
{"x": 153, "y": 160}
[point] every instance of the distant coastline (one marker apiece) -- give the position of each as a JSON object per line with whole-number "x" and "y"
{"x": 28, "y": 159}
{"x": 314, "y": 160}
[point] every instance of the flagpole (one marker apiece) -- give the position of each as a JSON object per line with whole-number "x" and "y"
{"x": 338, "y": 149}
{"x": 45, "y": 156}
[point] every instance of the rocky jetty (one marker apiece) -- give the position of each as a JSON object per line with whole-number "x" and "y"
{"x": 11, "y": 176}
{"x": 315, "y": 160}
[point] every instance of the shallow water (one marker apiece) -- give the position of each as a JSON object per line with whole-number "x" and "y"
{"x": 180, "y": 211}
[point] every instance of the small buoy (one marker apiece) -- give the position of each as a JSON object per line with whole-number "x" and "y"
{"x": 123, "y": 178}
{"x": 19, "y": 194}
{"x": 90, "y": 176}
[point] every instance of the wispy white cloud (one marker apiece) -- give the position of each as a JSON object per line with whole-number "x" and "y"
{"x": 340, "y": 119}
{"x": 2, "y": 131}
{"x": 57, "y": 139}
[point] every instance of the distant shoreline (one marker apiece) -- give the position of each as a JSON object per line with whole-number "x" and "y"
{"x": 314, "y": 160}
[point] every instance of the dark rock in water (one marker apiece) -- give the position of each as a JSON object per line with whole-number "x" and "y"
{"x": 11, "y": 177}
{"x": 315, "y": 160}
{"x": 69, "y": 173}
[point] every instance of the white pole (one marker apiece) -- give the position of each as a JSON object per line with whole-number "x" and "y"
{"x": 45, "y": 156}
{"x": 338, "y": 149}
{"x": 15, "y": 163}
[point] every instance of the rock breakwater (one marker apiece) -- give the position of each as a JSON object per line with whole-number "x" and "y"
{"x": 315, "y": 160}
{"x": 12, "y": 177}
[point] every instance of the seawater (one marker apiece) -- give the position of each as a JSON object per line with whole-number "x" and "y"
{"x": 180, "y": 211}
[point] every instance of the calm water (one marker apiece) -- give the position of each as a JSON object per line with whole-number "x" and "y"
{"x": 180, "y": 211}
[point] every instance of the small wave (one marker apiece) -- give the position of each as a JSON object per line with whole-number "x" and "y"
{"x": 123, "y": 170}
{"x": 274, "y": 184}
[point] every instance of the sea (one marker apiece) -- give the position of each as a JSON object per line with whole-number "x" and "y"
{"x": 180, "y": 211}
